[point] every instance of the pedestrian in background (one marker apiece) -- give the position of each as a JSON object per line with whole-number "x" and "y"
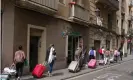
{"x": 92, "y": 54}
{"x": 107, "y": 56}
{"x": 50, "y": 58}
{"x": 121, "y": 54}
{"x": 101, "y": 52}
{"x": 116, "y": 54}
{"x": 78, "y": 53}
{"x": 19, "y": 61}
{"x": 111, "y": 53}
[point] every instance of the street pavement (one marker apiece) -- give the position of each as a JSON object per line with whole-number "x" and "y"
{"x": 123, "y": 71}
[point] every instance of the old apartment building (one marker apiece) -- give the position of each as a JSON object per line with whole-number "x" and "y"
{"x": 35, "y": 24}
{"x": 124, "y": 21}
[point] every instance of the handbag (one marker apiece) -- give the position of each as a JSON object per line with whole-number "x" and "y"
{"x": 25, "y": 62}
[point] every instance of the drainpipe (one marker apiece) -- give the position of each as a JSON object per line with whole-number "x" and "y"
{"x": 1, "y": 43}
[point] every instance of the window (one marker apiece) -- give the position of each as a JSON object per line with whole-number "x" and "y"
{"x": 117, "y": 22}
{"x": 107, "y": 44}
{"x": 98, "y": 12}
{"x": 122, "y": 23}
{"x": 62, "y": 1}
{"x": 110, "y": 19}
{"x": 129, "y": 24}
{"x": 117, "y": 42}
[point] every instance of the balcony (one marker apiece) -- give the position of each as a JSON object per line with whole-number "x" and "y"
{"x": 79, "y": 13}
{"x": 99, "y": 21}
{"x": 43, "y": 6}
{"x": 112, "y": 4}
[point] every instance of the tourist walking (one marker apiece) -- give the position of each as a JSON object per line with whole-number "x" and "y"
{"x": 116, "y": 54}
{"x": 101, "y": 52}
{"x": 50, "y": 58}
{"x": 92, "y": 54}
{"x": 107, "y": 56}
{"x": 19, "y": 61}
{"x": 121, "y": 54}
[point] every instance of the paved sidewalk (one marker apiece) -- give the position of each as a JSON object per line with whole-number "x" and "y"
{"x": 64, "y": 74}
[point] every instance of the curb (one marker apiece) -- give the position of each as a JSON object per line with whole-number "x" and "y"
{"x": 96, "y": 69}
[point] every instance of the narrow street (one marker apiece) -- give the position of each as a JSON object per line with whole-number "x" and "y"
{"x": 122, "y": 71}
{"x": 66, "y": 34}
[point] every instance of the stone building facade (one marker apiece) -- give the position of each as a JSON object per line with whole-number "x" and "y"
{"x": 35, "y": 24}
{"x": 124, "y": 17}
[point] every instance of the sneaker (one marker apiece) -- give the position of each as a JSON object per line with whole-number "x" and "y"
{"x": 50, "y": 75}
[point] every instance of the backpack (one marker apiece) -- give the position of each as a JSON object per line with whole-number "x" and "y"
{"x": 100, "y": 51}
{"x": 92, "y": 52}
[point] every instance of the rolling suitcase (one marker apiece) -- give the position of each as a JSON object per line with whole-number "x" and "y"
{"x": 73, "y": 66}
{"x": 92, "y": 63}
{"x": 38, "y": 70}
{"x": 111, "y": 60}
{"x": 101, "y": 62}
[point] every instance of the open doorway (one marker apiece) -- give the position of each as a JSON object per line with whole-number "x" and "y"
{"x": 34, "y": 40}
{"x": 73, "y": 43}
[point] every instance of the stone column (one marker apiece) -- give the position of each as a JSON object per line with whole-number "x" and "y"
{"x": 7, "y": 34}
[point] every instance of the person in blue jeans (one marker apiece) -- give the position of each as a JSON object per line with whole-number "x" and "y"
{"x": 50, "y": 58}
{"x": 51, "y": 67}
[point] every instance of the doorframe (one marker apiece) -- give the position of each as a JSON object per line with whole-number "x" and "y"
{"x": 66, "y": 46}
{"x": 28, "y": 37}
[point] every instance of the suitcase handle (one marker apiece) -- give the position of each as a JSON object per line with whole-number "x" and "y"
{"x": 12, "y": 66}
{"x": 44, "y": 63}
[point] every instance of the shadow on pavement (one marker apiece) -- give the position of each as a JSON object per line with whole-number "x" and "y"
{"x": 30, "y": 79}
{"x": 131, "y": 74}
{"x": 58, "y": 74}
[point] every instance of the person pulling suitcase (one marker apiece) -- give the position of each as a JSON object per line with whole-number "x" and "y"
{"x": 107, "y": 56}
{"x": 50, "y": 58}
{"x": 92, "y": 54}
{"x": 19, "y": 61}
{"x": 116, "y": 55}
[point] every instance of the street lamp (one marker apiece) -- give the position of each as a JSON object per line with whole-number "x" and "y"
{"x": 1, "y": 42}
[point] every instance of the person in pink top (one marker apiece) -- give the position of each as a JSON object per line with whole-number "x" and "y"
{"x": 116, "y": 54}
{"x": 19, "y": 61}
